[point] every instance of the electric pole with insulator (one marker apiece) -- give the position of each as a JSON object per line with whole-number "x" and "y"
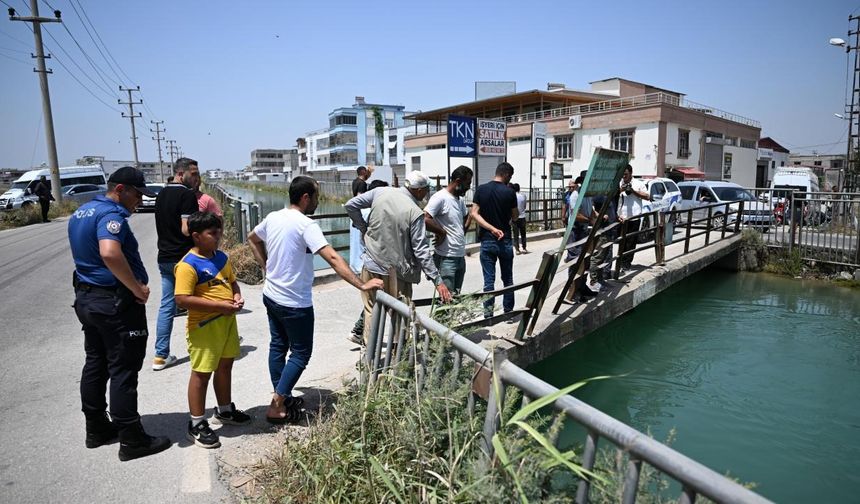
{"x": 158, "y": 131}
{"x": 132, "y": 116}
{"x": 43, "y": 72}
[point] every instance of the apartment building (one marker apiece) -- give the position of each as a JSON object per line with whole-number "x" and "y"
{"x": 355, "y": 136}
{"x": 274, "y": 161}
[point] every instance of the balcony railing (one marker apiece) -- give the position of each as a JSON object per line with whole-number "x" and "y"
{"x": 626, "y": 103}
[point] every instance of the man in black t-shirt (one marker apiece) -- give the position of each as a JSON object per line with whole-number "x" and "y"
{"x": 494, "y": 206}
{"x": 359, "y": 185}
{"x": 172, "y": 207}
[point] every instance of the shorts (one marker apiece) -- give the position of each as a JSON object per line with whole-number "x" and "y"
{"x": 216, "y": 340}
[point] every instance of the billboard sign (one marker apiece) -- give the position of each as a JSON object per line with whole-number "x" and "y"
{"x": 461, "y": 136}
{"x": 491, "y": 137}
{"x": 538, "y": 140}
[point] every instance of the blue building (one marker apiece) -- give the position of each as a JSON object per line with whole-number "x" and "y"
{"x": 351, "y": 140}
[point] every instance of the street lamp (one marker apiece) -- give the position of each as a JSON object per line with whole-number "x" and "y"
{"x": 840, "y": 42}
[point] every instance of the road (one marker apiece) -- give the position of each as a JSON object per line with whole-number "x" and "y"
{"x": 42, "y": 428}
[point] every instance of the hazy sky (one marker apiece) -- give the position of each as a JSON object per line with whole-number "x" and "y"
{"x": 229, "y": 77}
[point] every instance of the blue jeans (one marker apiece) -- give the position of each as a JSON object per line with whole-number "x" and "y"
{"x": 167, "y": 310}
{"x": 452, "y": 270}
{"x": 503, "y": 251}
{"x": 291, "y": 329}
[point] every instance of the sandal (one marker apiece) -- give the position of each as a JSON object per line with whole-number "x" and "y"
{"x": 293, "y": 415}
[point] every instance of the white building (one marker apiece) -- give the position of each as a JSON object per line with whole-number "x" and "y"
{"x": 771, "y": 155}
{"x": 661, "y": 129}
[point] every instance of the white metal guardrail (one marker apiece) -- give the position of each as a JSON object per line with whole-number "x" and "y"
{"x": 393, "y": 324}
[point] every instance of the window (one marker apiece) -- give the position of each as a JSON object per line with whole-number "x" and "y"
{"x": 687, "y": 192}
{"x": 816, "y": 163}
{"x": 416, "y": 163}
{"x": 748, "y": 144}
{"x": 623, "y": 140}
{"x": 727, "y": 166}
{"x": 797, "y": 163}
{"x": 683, "y": 143}
{"x": 657, "y": 190}
{"x": 733, "y": 141}
{"x": 564, "y": 147}
{"x": 343, "y": 119}
{"x": 836, "y": 163}
{"x": 343, "y": 138}
{"x": 671, "y": 187}
{"x": 389, "y": 123}
{"x": 322, "y": 143}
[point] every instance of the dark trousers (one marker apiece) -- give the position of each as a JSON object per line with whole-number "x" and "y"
{"x": 115, "y": 333}
{"x": 629, "y": 243}
{"x": 45, "y": 204}
{"x": 519, "y": 229}
{"x": 291, "y": 331}
{"x": 503, "y": 252}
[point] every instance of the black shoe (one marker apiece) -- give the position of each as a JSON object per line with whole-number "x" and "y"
{"x": 203, "y": 435}
{"x": 100, "y": 431}
{"x": 355, "y": 338}
{"x": 135, "y": 443}
{"x": 234, "y": 417}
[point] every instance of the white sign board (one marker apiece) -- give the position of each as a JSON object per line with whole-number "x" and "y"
{"x": 538, "y": 140}
{"x": 491, "y": 137}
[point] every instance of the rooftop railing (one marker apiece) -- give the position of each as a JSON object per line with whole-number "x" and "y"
{"x": 625, "y": 103}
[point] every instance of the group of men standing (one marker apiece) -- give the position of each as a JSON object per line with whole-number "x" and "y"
{"x": 111, "y": 282}
{"x": 628, "y": 204}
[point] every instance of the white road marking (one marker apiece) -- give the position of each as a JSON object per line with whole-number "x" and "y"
{"x": 196, "y": 473}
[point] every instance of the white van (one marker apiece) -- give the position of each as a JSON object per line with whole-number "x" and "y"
{"x": 799, "y": 178}
{"x": 20, "y": 194}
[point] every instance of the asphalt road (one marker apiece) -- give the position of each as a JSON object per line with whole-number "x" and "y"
{"x": 42, "y": 428}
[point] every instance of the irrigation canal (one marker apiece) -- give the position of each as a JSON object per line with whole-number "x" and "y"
{"x": 758, "y": 375}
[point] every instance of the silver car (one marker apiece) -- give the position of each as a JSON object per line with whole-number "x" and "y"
{"x": 699, "y": 194}
{"x": 82, "y": 192}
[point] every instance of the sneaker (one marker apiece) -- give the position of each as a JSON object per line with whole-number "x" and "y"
{"x": 160, "y": 363}
{"x": 595, "y": 286}
{"x": 233, "y": 417}
{"x": 355, "y": 338}
{"x": 203, "y": 435}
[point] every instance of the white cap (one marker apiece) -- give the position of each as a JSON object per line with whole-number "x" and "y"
{"x": 416, "y": 180}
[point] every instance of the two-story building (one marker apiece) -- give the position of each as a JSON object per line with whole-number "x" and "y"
{"x": 660, "y": 128}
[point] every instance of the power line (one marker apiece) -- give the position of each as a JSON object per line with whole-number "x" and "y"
{"x": 15, "y": 39}
{"x": 15, "y": 59}
{"x": 119, "y": 79}
{"x": 7, "y": 5}
{"x": 14, "y": 50}
{"x": 74, "y": 62}
{"x": 107, "y": 50}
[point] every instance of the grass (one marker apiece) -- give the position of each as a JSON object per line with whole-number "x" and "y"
{"x": 244, "y": 265}
{"x": 32, "y": 214}
{"x": 405, "y": 441}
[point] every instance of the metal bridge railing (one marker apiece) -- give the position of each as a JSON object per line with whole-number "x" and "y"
{"x": 245, "y": 214}
{"x": 400, "y": 337}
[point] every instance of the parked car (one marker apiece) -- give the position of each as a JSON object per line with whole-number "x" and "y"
{"x": 21, "y": 193}
{"x": 665, "y": 196}
{"x": 698, "y": 195}
{"x": 82, "y": 192}
{"x": 148, "y": 204}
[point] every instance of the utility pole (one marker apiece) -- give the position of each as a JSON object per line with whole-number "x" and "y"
{"x": 158, "y": 131}
{"x": 851, "y": 173}
{"x": 131, "y": 103}
{"x": 171, "y": 148}
{"x": 43, "y": 83}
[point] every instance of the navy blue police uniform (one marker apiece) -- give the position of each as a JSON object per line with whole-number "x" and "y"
{"x": 114, "y": 323}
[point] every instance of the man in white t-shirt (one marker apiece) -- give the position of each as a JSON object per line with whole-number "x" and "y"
{"x": 519, "y": 226}
{"x": 284, "y": 245}
{"x": 447, "y": 210}
{"x": 633, "y": 191}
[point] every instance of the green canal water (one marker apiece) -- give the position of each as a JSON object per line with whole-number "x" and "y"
{"x": 759, "y": 376}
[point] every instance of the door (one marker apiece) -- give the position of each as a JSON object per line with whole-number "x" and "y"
{"x": 713, "y": 162}
{"x": 761, "y": 175}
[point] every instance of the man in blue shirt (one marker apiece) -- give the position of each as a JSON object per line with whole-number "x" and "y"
{"x": 110, "y": 293}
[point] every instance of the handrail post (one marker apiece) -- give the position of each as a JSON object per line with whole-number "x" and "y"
{"x": 689, "y": 229}
{"x": 726, "y": 219}
{"x": 660, "y": 244}
{"x": 739, "y": 217}
{"x": 709, "y": 225}
{"x": 631, "y": 481}
{"x": 792, "y": 225}
{"x": 588, "y": 455}
{"x": 545, "y": 215}
{"x": 495, "y": 406}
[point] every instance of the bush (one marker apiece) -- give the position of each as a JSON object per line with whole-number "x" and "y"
{"x": 31, "y": 214}
{"x": 789, "y": 263}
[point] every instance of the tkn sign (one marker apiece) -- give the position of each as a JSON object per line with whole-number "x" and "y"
{"x": 491, "y": 137}
{"x": 461, "y": 136}
{"x": 538, "y": 140}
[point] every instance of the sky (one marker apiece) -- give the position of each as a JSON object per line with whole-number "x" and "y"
{"x": 229, "y": 77}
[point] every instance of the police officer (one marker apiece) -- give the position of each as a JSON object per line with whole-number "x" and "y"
{"x": 110, "y": 292}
